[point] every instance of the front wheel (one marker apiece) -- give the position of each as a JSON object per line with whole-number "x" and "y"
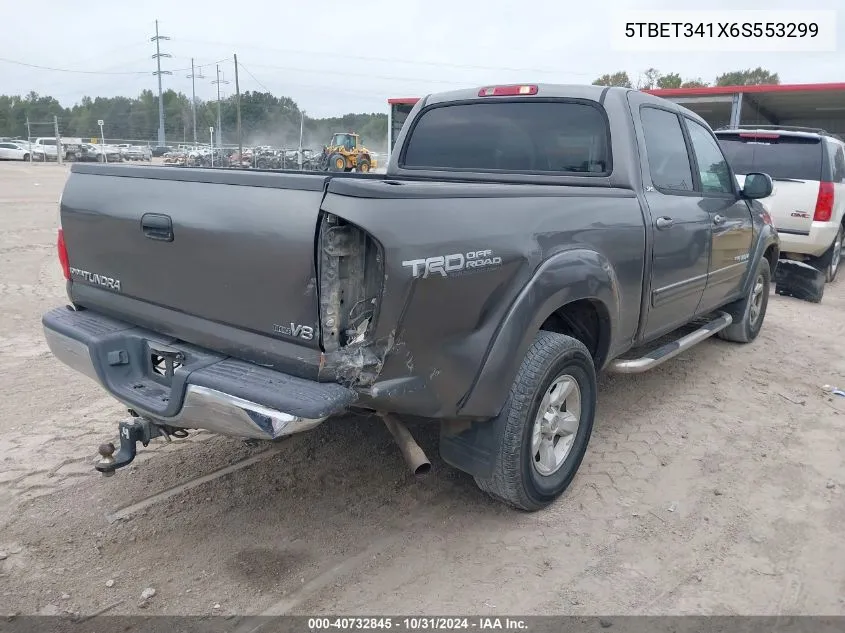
{"x": 26, "y": 157}
{"x": 748, "y": 313}
{"x": 337, "y": 163}
{"x": 548, "y": 422}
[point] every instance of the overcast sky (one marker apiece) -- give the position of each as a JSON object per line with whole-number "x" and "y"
{"x": 334, "y": 57}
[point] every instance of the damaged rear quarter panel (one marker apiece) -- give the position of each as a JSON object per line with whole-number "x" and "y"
{"x": 440, "y": 327}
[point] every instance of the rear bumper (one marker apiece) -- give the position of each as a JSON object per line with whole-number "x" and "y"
{"x": 205, "y": 391}
{"x": 814, "y": 243}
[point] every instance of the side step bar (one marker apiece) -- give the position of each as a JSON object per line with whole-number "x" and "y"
{"x": 671, "y": 349}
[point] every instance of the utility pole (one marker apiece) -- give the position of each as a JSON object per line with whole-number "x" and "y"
{"x": 238, "y": 106}
{"x": 159, "y": 72}
{"x": 219, "y": 117}
{"x": 193, "y": 76}
{"x": 301, "y": 128}
{"x": 29, "y": 141}
{"x": 59, "y": 151}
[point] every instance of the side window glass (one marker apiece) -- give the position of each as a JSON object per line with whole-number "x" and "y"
{"x": 668, "y": 160}
{"x": 839, "y": 165}
{"x": 712, "y": 166}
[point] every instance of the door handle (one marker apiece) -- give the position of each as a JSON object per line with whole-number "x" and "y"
{"x": 664, "y": 223}
{"x": 719, "y": 219}
{"x": 157, "y": 226}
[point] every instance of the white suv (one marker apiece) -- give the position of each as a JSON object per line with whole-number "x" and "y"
{"x": 808, "y": 203}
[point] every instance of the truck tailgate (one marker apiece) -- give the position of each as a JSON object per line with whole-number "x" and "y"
{"x": 234, "y": 248}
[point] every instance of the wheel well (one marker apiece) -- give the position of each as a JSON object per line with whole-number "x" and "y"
{"x": 585, "y": 320}
{"x": 771, "y": 256}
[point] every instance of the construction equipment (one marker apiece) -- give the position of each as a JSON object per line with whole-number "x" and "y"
{"x": 345, "y": 152}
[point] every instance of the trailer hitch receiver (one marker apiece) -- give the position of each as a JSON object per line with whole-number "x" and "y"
{"x": 131, "y": 431}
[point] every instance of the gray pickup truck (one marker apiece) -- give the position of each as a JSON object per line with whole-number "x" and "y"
{"x": 522, "y": 239}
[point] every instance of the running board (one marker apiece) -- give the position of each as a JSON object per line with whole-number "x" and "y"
{"x": 671, "y": 349}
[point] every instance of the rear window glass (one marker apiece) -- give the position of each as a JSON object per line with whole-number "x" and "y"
{"x": 527, "y": 136}
{"x": 795, "y": 157}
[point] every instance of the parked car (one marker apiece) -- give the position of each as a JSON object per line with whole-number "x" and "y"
{"x": 95, "y": 153}
{"x": 523, "y": 239}
{"x": 30, "y": 149}
{"x": 161, "y": 150}
{"x": 137, "y": 152}
{"x": 47, "y": 145}
{"x": 808, "y": 204}
{"x": 13, "y": 151}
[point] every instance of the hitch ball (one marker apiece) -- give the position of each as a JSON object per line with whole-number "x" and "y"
{"x": 106, "y": 458}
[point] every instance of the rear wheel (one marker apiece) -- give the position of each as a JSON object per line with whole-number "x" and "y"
{"x": 829, "y": 262}
{"x": 548, "y": 422}
{"x": 26, "y": 157}
{"x": 748, "y": 313}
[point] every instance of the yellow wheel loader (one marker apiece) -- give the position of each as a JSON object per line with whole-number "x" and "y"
{"x": 346, "y": 152}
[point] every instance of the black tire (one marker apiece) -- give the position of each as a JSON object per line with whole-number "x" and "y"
{"x": 364, "y": 165}
{"x": 516, "y": 479}
{"x": 335, "y": 160}
{"x": 749, "y": 312}
{"x": 829, "y": 262}
{"x": 26, "y": 157}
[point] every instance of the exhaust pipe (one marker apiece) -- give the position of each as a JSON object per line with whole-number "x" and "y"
{"x": 411, "y": 451}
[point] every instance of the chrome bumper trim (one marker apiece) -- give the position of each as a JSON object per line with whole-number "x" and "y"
{"x": 203, "y": 408}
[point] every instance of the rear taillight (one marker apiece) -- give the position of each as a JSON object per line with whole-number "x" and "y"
{"x": 507, "y": 91}
{"x": 63, "y": 254}
{"x": 350, "y": 275}
{"x": 824, "y": 203}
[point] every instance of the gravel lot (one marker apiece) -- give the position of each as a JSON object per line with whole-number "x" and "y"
{"x": 712, "y": 485}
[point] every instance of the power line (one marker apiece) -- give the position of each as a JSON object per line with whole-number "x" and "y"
{"x": 363, "y": 75}
{"x": 104, "y": 72}
{"x": 68, "y": 70}
{"x": 393, "y": 60}
{"x": 263, "y": 87}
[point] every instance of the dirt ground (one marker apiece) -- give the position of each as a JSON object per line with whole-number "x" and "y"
{"x": 712, "y": 485}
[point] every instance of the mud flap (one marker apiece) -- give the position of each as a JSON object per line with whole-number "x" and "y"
{"x": 472, "y": 446}
{"x": 799, "y": 280}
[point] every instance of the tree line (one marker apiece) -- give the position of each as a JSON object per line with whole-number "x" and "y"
{"x": 265, "y": 119}
{"x": 653, "y": 78}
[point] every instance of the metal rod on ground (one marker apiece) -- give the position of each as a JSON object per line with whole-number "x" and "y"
{"x": 238, "y": 107}
{"x": 58, "y": 140}
{"x": 411, "y": 451}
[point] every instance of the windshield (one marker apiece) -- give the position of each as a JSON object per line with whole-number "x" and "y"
{"x": 792, "y": 157}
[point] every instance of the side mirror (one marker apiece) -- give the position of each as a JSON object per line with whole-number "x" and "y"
{"x": 757, "y": 186}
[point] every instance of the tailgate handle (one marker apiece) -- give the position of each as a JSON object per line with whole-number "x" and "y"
{"x": 157, "y": 226}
